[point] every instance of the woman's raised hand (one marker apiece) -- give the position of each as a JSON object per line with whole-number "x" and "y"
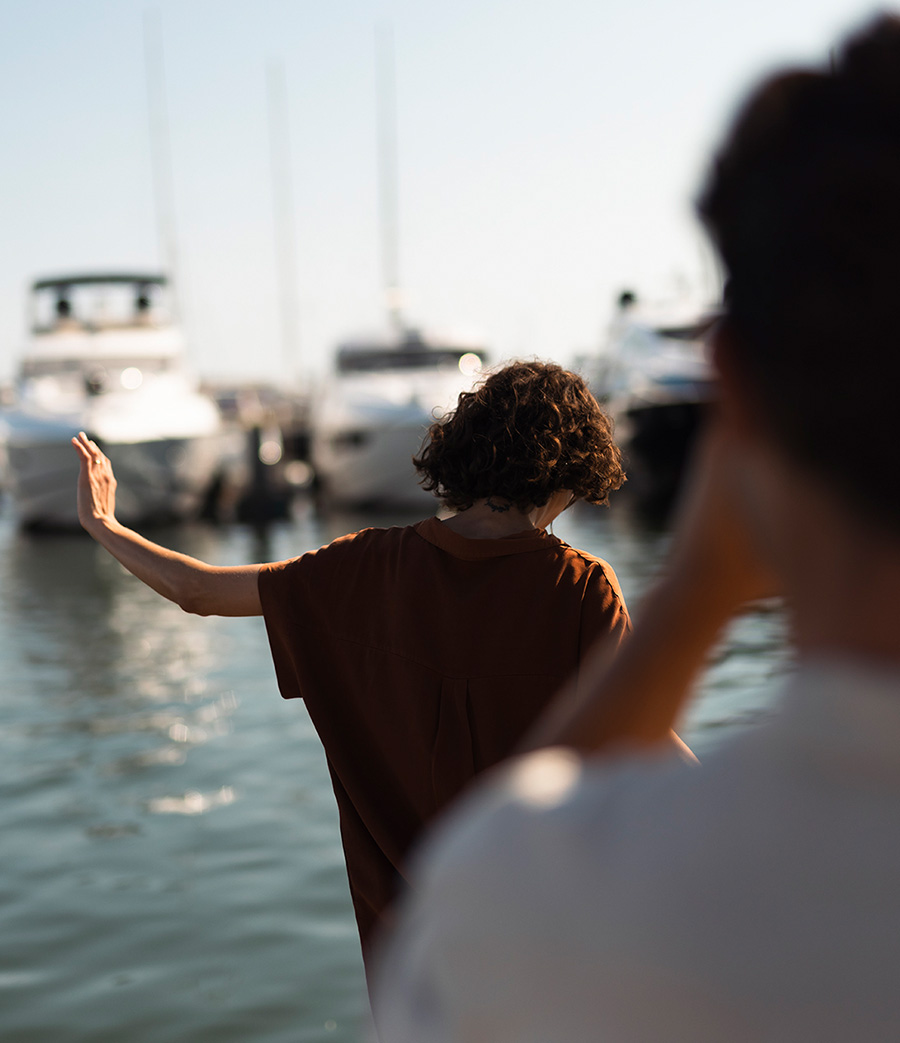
{"x": 190, "y": 583}
{"x": 96, "y": 484}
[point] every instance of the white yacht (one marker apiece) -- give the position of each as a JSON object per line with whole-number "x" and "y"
{"x": 656, "y": 381}
{"x": 373, "y": 414}
{"x": 105, "y": 358}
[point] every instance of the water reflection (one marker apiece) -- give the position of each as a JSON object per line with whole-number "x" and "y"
{"x": 119, "y": 664}
{"x": 90, "y": 629}
{"x": 192, "y": 803}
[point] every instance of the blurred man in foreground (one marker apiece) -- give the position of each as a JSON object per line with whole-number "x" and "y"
{"x": 582, "y": 897}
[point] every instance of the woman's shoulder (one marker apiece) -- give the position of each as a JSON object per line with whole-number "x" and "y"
{"x": 582, "y": 558}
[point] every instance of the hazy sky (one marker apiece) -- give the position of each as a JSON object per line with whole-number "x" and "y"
{"x": 548, "y": 154}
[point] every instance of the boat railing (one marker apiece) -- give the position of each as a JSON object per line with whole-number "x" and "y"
{"x": 54, "y": 367}
{"x": 74, "y": 324}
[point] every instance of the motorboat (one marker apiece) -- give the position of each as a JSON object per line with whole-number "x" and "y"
{"x": 374, "y": 411}
{"x": 655, "y": 379}
{"x": 104, "y": 356}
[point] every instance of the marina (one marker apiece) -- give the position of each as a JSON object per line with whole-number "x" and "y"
{"x": 205, "y": 216}
{"x": 173, "y": 868}
{"x": 173, "y": 823}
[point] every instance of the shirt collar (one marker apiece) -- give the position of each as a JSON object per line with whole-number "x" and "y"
{"x": 435, "y": 532}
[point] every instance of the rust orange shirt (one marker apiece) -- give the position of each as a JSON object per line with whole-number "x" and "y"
{"x": 423, "y": 657}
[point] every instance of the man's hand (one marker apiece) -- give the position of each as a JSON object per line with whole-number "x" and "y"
{"x": 96, "y": 484}
{"x": 714, "y": 552}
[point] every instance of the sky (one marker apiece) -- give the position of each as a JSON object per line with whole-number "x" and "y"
{"x": 547, "y": 158}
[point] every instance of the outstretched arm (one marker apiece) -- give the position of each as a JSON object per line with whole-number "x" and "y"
{"x": 203, "y": 589}
{"x": 637, "y": 696}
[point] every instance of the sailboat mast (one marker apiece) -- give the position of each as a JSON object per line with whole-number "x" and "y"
{"x": 387, "y": 172}
{"x": 282, "y": 200}
{"x": 160, "y": 148}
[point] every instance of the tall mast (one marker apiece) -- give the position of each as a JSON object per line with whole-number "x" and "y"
{"x": 283, "y": 204}
{"x": 387, "y": 172}
{"x": 160, "y": 147}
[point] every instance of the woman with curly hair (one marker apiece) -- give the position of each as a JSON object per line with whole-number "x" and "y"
{"x": 528, "y": 435}
{"x": 424, "y": 653}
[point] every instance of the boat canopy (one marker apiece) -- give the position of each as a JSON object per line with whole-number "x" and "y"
{"x": 96, "y": 301}
{"x": 97, "y": 279}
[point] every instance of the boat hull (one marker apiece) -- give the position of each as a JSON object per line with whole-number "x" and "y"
{"x": 658, "y": 440}
{"x": 159, "y": 479}
{"x": 372, "y": 467}
{"x": 656, "y": 382}
{"x": 367, "y": 427}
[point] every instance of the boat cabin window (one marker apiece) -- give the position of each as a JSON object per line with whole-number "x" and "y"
{"x": 694, "y": 332}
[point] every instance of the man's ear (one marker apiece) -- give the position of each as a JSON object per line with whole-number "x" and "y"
{"x": 738, "y": 401}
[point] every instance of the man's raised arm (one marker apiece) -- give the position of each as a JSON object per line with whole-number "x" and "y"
{"x": 637, "y": 696}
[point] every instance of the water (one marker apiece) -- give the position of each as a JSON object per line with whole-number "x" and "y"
{"x": 171, "y": 866}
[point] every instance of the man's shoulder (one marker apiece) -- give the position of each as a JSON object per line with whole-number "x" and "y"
{"x": 547, "y": 803}
{"x": 521, "y": 875}
{"x": 572, "y": 871}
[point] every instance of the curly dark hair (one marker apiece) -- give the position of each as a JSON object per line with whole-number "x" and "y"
{"x": 802, "y": 202}
{"x": 530, "y": 430}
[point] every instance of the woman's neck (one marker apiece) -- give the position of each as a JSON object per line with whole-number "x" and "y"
{"x": 492, "y": 519}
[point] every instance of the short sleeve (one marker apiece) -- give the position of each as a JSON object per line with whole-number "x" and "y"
{"x": 604, "y": 616}
{"x": 299, "y": 598}
{"x": 283, "y": 592}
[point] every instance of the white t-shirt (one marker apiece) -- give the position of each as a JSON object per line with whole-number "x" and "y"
{"x": 754, "y": 898}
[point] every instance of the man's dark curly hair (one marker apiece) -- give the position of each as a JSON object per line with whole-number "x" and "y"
{"x": 530, "y": 430}
{"x": 803, "y": 204}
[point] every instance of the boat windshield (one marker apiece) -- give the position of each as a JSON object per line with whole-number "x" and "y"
{"x": 98, "y": 303}
{"x": 379, "y": 360}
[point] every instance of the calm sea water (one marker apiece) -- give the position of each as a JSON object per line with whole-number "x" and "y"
{"x": 171, "y": 866}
